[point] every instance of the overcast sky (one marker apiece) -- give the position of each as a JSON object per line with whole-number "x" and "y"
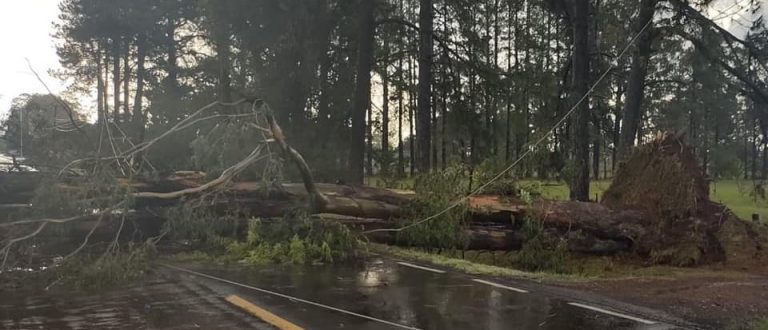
{"x": 25, "y": 32}
{"x": 26, "y": 26}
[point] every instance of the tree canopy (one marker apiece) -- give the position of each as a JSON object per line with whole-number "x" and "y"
{"x": 400, "y": 87}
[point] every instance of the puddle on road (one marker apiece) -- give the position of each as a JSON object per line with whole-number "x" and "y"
{"x": 417, "y": 298}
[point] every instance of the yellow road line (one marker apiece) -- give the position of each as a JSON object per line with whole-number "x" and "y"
{"x": 263, "y": 314}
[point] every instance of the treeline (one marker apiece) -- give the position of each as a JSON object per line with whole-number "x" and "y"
{"x": 398, "y": 87}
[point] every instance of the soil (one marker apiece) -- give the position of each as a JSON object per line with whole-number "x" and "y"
{"x": 727, "y": 300}
{"x": 684, "y": 227}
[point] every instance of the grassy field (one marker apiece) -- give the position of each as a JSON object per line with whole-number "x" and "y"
{"x": 733, "y": 193}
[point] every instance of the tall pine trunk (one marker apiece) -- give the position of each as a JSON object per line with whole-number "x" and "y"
{"x": 105, "y": 91}
{"x": 138, "y": 97}
{"x": 116, "y": 78}
{"x": 423, "y": 124}
{"x": 400, "y": 146}
{"x": 99, "y": 89}
{"x": 126, "y": 80}
{"x": 636, "y": 85}
{"x": 385, "y": 156}
{"x": 362, "y": 91}
{"x": 580, "y": 183}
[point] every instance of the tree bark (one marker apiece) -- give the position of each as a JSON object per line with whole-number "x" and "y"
{"x": 617, "y": 125}
{"x": 223, "y": 55}
{"x": 423, "y": 123}
{"x": 138, "y": 98}
{"x": 101, "y": 117}
{"x": 105, "y": 91}
{"x": 636, "y": 85}
{"x": 116, "y": 79}
{"x": 400, "y": 144}
{"x": 385, "y": 155}
{"x": 369, "y": 139}
{"x": 580, "y": 184}
{"x": 362, "y": 95}
{"x": 126, "y": 79}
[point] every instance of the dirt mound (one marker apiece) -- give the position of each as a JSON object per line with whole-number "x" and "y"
{"x": 683, "y": 226}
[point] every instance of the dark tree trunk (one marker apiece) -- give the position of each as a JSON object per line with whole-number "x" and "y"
{"x": 746, "y": 149}
{"x": 105, "y": 91}
{"x": 369, "y": 141}
{"x": 362, "y": 91}
{"x": 596, "y": 150}
{"x": 580, "y": 184}
{"x": 400, "y": 146}
{"x": 223, "y": 56}
{"x": 126, "y": 80}
{"x": 443, "y": 120}
{"x": 116, "y": 78}
{"x": 138, "y": 98}
{"x": 753, "y": 124}
{"x": 100, "y": 88}
{"x": 636, "y": 85}
{"x": 385, "y": 155}
{"x": 617, "y": 125}
{"x": 411, "y": 123}
{"x": 597, "y": 113}
{"x": 423, "y": 124}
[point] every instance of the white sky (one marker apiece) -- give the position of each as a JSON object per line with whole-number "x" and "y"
{"x": 26, "y": 27}
{"x": 25, "y": 32}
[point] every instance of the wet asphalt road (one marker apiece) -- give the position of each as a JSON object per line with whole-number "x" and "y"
{"x": 412, "y": 297}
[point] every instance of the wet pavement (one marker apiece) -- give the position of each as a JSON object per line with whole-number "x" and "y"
{"x": 157, "y": 303}
{"x": 412, "y": 297}
{"x": 391, "y": 294}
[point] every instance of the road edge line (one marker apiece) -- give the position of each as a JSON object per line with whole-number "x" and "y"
{"x": 500, "y": 286}
{"x": 406, "y": 264}
{"x": 612, "y": 313}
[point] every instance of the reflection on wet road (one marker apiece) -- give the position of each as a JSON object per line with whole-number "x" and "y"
{"x": 406, "y": 295}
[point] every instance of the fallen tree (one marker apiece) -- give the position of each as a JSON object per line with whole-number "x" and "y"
{"x": 677, "y": 224}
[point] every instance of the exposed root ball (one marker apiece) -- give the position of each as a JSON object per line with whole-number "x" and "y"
{"x": 684, "y": 227}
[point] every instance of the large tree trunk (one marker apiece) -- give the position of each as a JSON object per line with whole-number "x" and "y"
{"x": 362, "y": 91}
{"x": 223, "y": 56}
{"x": 423, "y": 124}
{"x": 400, "y": 112}
{"x": 116, "y": 79}
{"x": 385, "y": 156}
{"x": 369, "y": 140}
{"x": 101, "y": 117}
{"x": 636, "y": 85}
{"x": 105, "y": 91}
{"x": 138, "y": 98}
{"x": 616, "y": 125}
{"x": 126, "y": 79}
{"x": 580, "y": 183}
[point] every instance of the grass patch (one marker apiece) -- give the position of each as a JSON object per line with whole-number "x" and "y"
{"x": 735, "y": 194}
{"x": 468, "y": 266}
{"x": 759, "y": 325}
{"x": 577, "y": 268}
